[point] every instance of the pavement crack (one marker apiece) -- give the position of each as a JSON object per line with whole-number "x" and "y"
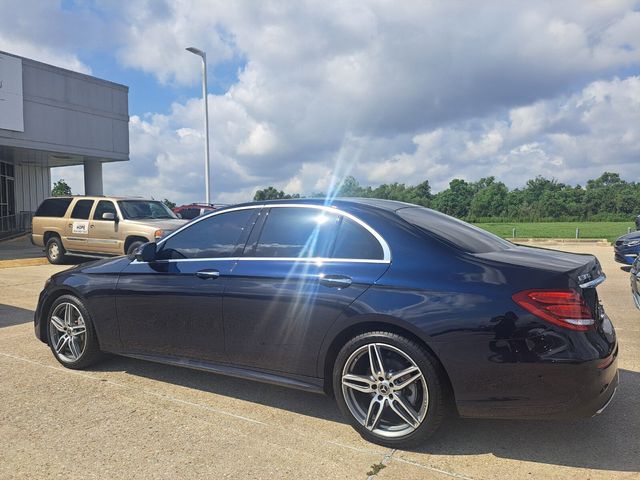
{"x": 377, "y": 467}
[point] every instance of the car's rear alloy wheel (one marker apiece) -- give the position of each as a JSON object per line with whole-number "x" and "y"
{"x": 390, "y": 389}
{"x": 71, "y": 335}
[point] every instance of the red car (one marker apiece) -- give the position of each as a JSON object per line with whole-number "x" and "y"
{"x": 194, "y": 210}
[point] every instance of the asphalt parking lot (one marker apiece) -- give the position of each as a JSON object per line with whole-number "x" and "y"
{"x": 133, "y": 419}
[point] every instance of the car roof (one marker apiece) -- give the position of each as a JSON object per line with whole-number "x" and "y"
{"x": 341, "y": 202}
{"x": 103, "y": 197}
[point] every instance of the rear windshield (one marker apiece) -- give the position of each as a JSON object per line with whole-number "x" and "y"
{"x": 463, "y": 235}
{"x": 53, "y": 207}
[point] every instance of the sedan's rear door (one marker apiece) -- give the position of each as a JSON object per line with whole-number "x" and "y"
{"x": 302, "y": 268}
{"x": 77, "y": 228}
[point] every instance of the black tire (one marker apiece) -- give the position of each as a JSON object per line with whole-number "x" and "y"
{"x": 55, "y": 251}
{"x": 90, "y": 351}
{"x": 134, "y": 246}
{"x": 437, "y": 404}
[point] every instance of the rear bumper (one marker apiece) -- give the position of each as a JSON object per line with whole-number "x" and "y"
{"x": 565, "y": 392}
{"x": 594, "y": 400}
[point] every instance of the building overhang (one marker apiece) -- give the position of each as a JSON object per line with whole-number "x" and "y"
{"x": 50, "y": 158}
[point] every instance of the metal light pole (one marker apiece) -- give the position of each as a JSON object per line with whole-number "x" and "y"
{"x": 207, "y": 180}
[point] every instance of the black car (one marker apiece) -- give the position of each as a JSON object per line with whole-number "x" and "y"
{"x": 400, "y": 312}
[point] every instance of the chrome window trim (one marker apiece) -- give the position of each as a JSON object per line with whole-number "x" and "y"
{"x": 270, "y": 259}
{"x": 386, "y": 251}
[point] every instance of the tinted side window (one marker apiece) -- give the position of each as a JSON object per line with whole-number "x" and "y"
{"x": 297, "y": 232}
{"x": 214, "y": 237}
{"x": 104, "y": 206}
{"x": 354, "y": 241}
{"x": 53, "y": 207}
{"x": 82, "y": 209}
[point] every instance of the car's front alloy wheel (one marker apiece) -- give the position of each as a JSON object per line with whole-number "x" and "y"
{"x": 71, "y": 335}
{"x": 69, "y": 332}
{"x": 389, "y": 388}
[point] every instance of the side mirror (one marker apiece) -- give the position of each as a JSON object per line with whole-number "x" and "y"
{"x": 146, "y": 252}
{"x": 109, "y": 216}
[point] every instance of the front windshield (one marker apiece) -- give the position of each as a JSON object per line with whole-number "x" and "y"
{"x": 144, "y": 209}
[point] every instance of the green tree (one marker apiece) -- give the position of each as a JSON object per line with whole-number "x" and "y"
{"x": 271, "y": 193}
{"x": 351, "y": 188}
{"x": 60, "y": 189}
{"x": 169, "y": 203}
{"x": 601, "y": 194}
{"x": 455, "y": 200}
{"x": 490, "y": 200}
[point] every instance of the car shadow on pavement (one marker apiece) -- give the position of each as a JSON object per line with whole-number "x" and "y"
{"x": 10, "y": 315}
{"x": 609, "y": 441}
{"x": 297, "y": 401}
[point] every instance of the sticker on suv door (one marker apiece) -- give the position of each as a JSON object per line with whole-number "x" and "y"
{"x": 80, "y": 227}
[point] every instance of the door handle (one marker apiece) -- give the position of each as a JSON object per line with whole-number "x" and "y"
{"x": 206, "y": 274}
{"x": 336, "y": 281}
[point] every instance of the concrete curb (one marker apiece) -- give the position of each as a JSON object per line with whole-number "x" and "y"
{"x": 23, "y": 262}
{"x": 563, "y": 241}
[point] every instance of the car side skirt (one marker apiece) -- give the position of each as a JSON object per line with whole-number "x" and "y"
{"x": 307, "y": 384}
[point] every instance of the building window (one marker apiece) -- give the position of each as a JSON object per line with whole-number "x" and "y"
{"x": 7, "y": 198}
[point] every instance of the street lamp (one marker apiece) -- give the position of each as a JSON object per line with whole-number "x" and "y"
{"x": 203, "y": 56}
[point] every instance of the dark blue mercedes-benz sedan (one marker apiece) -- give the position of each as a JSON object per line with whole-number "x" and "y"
{"x": 400, "y": 312}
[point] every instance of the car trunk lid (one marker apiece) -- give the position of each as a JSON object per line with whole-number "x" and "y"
{"x": 580, "y": 272}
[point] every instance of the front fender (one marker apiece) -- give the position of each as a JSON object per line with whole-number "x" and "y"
{"x": 95, "y": 285}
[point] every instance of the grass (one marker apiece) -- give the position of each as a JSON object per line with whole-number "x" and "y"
{"x": 608, "y": 230}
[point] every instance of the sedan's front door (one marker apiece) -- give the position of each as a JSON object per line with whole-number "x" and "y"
{"x": 173, "y": 306}
{"x": 305, "y": 269}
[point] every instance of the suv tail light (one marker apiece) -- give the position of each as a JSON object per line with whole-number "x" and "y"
{"x": 565, "y": 308}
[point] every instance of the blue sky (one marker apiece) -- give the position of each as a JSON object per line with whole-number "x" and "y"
{"x": 303, "y": 93}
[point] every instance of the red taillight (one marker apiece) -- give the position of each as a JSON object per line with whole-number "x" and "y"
{"x": 565, "y": 308}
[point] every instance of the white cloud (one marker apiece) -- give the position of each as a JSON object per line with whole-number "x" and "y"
{"x": 45, "y": 55}
{"x": 571, "y": 138}
{"x": 386, "y": 91}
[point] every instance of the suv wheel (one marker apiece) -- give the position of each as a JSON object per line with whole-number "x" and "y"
{"x": 390, "y": 389}
{"x": 134, "y": 246}
{"x": 55, "y": 251}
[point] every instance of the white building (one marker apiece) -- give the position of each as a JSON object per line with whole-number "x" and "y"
{"x": 52, "y": 117}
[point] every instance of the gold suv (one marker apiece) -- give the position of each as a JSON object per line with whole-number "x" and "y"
{"x": 99, "y": 226}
